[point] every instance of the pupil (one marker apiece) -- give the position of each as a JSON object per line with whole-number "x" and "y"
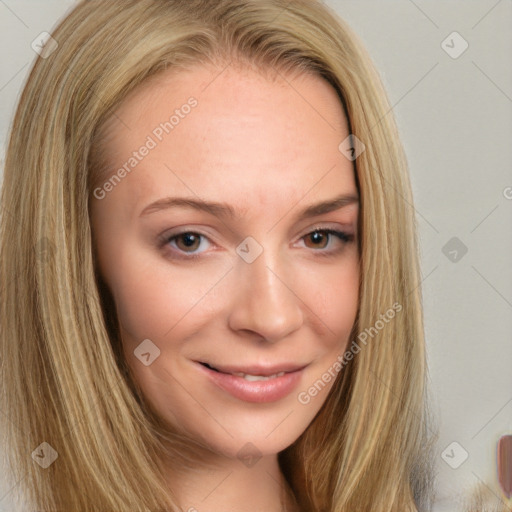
{"x": 317, "y": 237}
{"x": 189, "y": 239}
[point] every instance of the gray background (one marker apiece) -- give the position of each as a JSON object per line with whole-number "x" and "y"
{"x": 454, "y": 117}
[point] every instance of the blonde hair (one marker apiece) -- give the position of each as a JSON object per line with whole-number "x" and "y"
{"x": 65, "y": 380}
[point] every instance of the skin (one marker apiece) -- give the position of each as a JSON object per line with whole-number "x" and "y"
{"x": 268, "y": 148}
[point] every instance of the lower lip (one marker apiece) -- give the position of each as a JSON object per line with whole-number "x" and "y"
{"x": 260, "y": 391}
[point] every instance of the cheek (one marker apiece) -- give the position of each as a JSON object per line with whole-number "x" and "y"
{"x": 342, "y": 303}
{"x": 157, "y": 300}
{"x": 332, "y": 294}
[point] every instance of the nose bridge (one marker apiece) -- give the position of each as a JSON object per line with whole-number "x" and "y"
{"x": 265, "y": 303}
{"x": 266, "y": 277}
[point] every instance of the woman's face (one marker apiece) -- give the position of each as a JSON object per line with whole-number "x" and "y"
{"x": 215, "y": 244}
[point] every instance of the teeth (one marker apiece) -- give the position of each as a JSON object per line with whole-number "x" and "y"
{"x": 254, "y": 378}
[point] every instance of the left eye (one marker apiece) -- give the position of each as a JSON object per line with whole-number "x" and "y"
{"x": 320, "y": 238}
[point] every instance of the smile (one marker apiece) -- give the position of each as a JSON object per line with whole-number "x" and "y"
{"x": 248, "y": 376}
{"x": 253, "y": 383}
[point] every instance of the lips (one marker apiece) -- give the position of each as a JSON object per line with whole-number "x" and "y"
{"x": 255, "y": 372}
{"x": 252, "y": 383}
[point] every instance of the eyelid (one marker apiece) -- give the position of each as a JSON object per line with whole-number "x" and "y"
{"x": 345, "y": 228}
{"x": 177, "y": 231}
{"x": 333, "y": 227}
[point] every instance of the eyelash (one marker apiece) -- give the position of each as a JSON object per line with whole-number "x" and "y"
{"x": 344, "y": 238}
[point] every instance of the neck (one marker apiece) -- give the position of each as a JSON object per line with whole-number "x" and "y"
{"x": 228, "y": 484}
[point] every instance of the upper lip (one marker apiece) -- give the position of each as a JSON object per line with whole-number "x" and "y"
{"x": 256, "y": 369}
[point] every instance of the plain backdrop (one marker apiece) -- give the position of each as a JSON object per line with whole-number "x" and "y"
{"x": 453, "y": 106}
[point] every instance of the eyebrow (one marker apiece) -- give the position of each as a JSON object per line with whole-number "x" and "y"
{"x": 225, "y": 210}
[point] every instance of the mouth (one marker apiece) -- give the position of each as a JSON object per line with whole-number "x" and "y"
{"x": 254, "y": 383}
{"x": 254, "y": 374}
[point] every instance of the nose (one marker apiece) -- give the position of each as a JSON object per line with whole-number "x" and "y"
{"x": 265, "y": 303}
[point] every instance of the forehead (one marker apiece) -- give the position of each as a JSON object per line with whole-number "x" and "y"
{"x": 227, "y": 132}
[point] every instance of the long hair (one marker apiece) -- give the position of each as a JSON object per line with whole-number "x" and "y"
{"x": 65, "y": 381}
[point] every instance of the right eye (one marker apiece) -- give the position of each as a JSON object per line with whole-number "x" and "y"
{"x": 186, "y": 242}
